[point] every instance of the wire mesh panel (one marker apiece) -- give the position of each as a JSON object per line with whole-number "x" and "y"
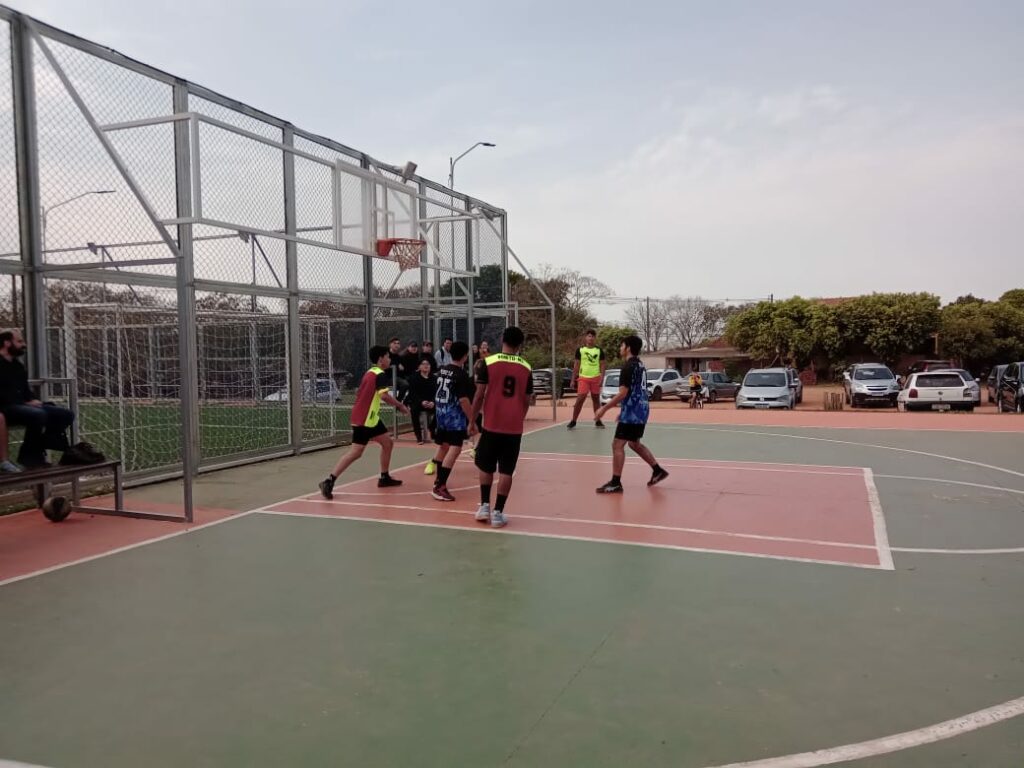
{"x": 120, "y": 345}
{"x": 10, "y": 245}
{"x": 157, "y": 208}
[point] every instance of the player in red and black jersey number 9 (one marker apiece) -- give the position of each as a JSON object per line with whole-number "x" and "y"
{"x": 367, "y": 426}
{"x": 504, "y": 384}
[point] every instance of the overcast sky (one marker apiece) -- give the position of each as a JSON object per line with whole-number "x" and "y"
{"x": 724, "y": 149}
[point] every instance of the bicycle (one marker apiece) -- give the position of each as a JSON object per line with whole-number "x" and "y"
{"x": 697, "y": 398}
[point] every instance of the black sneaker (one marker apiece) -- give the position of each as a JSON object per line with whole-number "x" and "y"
{"x": 657, "y": 476}
{"x": 572, "y": 425}
{"x": 610, "y": 487}
{"x": 599, "y": 424}
{"x": 388, "y": 482}
{"x": 327, "y": 488}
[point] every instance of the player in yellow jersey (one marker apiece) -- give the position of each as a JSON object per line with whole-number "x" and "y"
{"x": 587, "y": 374}
{"x": 366, "y": 424}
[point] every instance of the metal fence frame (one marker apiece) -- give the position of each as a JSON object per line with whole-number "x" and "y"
{"x": 425, "y": 205}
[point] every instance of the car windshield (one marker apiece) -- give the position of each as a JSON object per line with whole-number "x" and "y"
{"x": 765, "y": 380}
{"x": 654, "y": 375}
{"x": 611, "y": 380}
{"x": 939, "y": 380}
{"x": 873, "y": 374}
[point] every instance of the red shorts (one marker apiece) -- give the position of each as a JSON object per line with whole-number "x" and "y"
{"x": 588, "y": 386}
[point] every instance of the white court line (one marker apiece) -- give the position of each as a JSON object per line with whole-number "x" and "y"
{"x": 688, "y": 464}
{"x": 709, "y": 461}
{"x": 895, "y": 743}
{"x": 848, "y": 442}
{"x": 513, "y": 532}
{"x": 585, "y": 521}
{"x": 881, "y": 534}
{"x": 925, "y": 551}
{"x": 173, "y": 534}
{"x": 951, "y": 482}
{"x": 118, "y": 550}
{"x": 909, "y": 428}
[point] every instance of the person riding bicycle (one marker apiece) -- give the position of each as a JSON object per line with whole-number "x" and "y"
{"x": 696, "y": 383}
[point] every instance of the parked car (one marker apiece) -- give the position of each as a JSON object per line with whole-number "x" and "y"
{"x": 766, "y": 388}
{"x": 936, "y": 391}
{"x": 923, "y": 366}
{"x": 664, "y": 382}
{"x": 797, "y": 382}
{"x": 716, "y": 385}
{"x": 1011, "y": 389}
{"x": 971, "y": 381}
{"x": 870, "y": 383}
{"x": 994, "y": 377}
{"x": 326, "y": 391}
{"x": 609, "y": 385}
{"x": 542, "y": 381}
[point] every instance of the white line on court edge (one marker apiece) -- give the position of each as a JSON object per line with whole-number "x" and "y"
{"x": 607, "y": 457}
{"x": 881, "y": 534}
{"x": 846, "y": 442}
{"x": 118, "y": 550}
{"x": 584, "y": 521}
{"x": 894, "y": 743}
{"x": 951, "y": 482}
{"x": 194, "y": 528}
{"x": 16, "y": 764}
{"x": 925, "y": 551}
{"x": 513, "y": 532}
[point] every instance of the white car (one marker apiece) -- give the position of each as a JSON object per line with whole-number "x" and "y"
{"x": 968, "y": 377}
{"x": 664, "y": 382}
{"x": 609, "y": 385}
{"x": 936, "y": 391}
{"x": 326, "y": 392}
{"x": 766, "y": 388}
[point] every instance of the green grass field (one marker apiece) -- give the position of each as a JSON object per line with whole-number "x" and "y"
{"x": 147, "y": 435}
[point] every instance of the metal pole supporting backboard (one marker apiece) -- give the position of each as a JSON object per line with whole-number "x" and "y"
{"x": 293, "y": 344}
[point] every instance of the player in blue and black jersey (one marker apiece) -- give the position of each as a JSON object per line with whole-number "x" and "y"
{"x": 633, "y": 414}
{"x": 453, "y": 407}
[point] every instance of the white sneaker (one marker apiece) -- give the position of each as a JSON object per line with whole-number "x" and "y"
{"x": 498, "y": 519}
{"x": 484, "y": 513}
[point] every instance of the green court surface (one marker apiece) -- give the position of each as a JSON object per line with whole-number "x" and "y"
{"x": 274, "y": 639}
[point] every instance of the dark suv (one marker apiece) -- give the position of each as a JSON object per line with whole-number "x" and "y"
{"x": 1010, "y": 395}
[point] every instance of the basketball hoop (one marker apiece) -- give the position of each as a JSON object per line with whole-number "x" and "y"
{"x": 403, "y": 250}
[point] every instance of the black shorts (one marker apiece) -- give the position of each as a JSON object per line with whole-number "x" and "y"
{"x": 363, "y": 435}
{"x": 497, "y": 451}
{"x": 629, "y": 432}
{"x": 450, "y": 437}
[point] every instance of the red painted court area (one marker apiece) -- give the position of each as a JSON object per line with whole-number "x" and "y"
{"x": 793, "y": 512}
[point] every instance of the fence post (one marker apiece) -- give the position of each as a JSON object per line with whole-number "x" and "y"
{"x": 184, "y": 273}
{"x": 29, "y": 210}
{"x": 294, "y": 341}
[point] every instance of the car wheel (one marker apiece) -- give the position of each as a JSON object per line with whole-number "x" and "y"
{"x": 712, "y": 396}
{"x": 656, "y": 394}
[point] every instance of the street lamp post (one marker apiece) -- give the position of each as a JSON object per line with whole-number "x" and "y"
{"x": 47, "y": 211}
{"x": 451, "y": 186}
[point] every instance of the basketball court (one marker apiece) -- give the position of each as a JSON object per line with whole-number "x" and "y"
{"x": 790, "y": 596}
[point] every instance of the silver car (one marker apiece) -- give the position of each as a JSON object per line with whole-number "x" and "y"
{"x": 610, "y": 385}
{"x": 766, "y": 388}
{"x": 870, "y": 383}
{"x": 664, "y": 382}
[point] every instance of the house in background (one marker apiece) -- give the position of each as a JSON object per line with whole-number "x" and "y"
{"x": 713, "y": 355}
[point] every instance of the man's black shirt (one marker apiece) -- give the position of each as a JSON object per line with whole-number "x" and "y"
{"x": 14, "y": 388}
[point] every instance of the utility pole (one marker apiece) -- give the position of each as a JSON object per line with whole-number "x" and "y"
{"x": 648, "y": 321}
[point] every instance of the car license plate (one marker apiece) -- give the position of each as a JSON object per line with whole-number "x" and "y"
{"x": 940, "y": 407}
{"x": 760, "y": 405}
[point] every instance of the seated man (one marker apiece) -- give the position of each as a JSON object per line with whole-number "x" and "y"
{"x": 45, "y": 424}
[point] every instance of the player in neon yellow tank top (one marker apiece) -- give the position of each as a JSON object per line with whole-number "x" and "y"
{"x": 587, "y": 375}
{"x": 366, "y": 424}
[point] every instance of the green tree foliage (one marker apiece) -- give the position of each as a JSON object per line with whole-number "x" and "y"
{"x": 882, "y": 325}
{"x": 609, "y": 339}
{"x": 1014, "y": 298}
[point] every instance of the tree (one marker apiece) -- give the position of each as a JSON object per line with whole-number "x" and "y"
{"x": 579, "y": 291}
{"x": 609, "y": 339}
{"x": 651, "y": 321}
{"x": 1013, "y": 297}
{"x": 966, "y": 334}
{"x": 687, "y": 319}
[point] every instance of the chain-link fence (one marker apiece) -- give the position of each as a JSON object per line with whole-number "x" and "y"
{"x": 207, "y": 273}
